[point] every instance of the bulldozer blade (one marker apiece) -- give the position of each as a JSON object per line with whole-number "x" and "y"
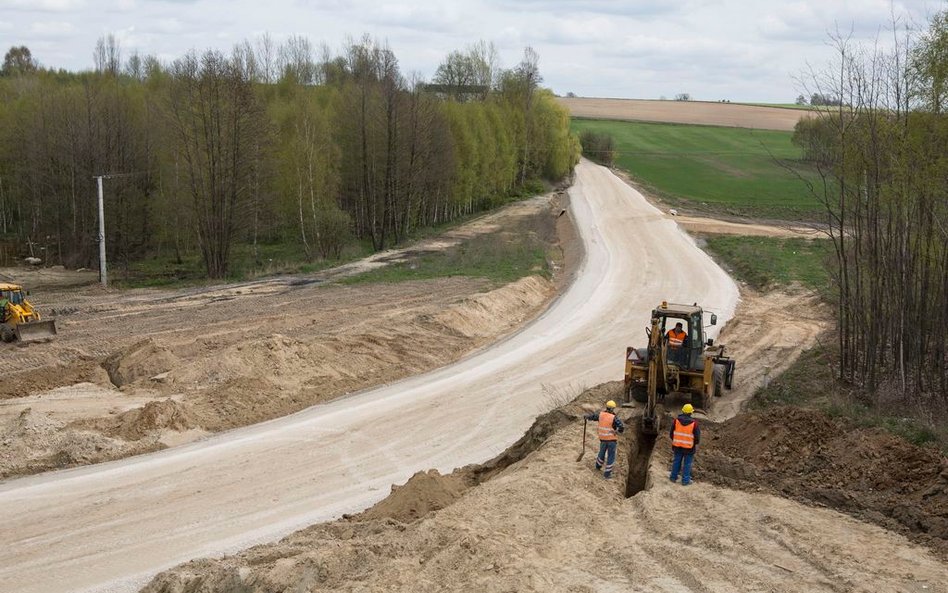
{"x": 37, "y": 330}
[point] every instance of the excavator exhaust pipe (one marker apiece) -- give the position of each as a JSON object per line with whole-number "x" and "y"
{"x": 35, "y": 331}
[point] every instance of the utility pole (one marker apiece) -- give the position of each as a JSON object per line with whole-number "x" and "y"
{"x": 103, "y": 271}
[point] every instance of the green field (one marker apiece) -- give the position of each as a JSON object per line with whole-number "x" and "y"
{"x": 734, "y": 171}
{"x": 498, "y": 257}
{"x": 768, "y": 262}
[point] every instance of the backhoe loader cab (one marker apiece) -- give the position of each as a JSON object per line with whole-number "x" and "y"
{"x": 685, "y": 364}
{"x": 18, "y": 319}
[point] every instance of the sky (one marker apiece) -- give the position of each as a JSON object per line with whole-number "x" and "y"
{"x": 730, "y": 49}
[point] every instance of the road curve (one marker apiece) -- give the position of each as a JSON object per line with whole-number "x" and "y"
{"x": 112, "y": 526}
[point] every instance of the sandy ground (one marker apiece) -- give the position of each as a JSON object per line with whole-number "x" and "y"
{"x": 685, "y": 112}
{"x": 714, "y": 226}
{"x": 543, "y": 522}
{"x": 128, "y": 374}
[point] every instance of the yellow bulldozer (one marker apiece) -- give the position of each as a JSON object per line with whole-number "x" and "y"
{"x": 19, "y": 321}
{"x": 678, "y": 360}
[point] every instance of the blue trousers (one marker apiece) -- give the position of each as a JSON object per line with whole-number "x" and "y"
{"x": 682, "y": 464}
{"x": 607, "y": 456}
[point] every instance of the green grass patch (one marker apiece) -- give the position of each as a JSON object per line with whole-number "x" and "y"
{"x": 736, "y": 171}
{"x": 247, "y": 262}
{"x": 498, "y": 257}
{"x": 810, "y": 382}
{"x": 765, "y": 262}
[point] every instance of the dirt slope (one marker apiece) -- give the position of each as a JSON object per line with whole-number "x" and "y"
{"x": 685, "y": 112}
{"x": 547, "y": 523}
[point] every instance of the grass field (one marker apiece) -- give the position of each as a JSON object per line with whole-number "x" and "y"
{"x": 498, "y": 257}
{"x": 736, "y": 171}
{"x": 767, "y": 262}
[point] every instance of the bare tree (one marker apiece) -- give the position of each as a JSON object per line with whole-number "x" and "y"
{"x": 108, "y": 55}
{"x": 266, "y": 57}
{"x": 218, "y": 123}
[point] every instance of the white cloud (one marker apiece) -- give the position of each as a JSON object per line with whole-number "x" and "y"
{"x": 633, "y": 48}
{"x": 52, "y": 28}
{"x": 43, "y": 5}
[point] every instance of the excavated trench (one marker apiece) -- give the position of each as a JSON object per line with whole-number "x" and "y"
{"x": 640, "y": 454}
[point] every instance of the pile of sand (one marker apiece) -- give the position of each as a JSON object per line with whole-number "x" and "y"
{"x": 34, "y": 441}
{"x": 143, "y": 360}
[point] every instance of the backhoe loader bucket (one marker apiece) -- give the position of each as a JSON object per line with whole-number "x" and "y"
{"x": 36, "y": 330}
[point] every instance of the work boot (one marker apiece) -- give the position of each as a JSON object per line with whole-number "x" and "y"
{"x": 673, "y": 478}
{"x": 607, "y": 476}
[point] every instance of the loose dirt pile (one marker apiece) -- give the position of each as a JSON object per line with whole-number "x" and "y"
{"x": 543, "y": 522}
{"x": 867, "y": 473}
{"x": 33, "y": 442}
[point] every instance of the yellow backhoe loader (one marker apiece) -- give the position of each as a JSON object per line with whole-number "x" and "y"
{"x": 18, "y": 319}
{"x": 679, "y": 362}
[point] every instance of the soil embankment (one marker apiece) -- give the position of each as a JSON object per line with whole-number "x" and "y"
{"x": 543, "y": 522}
{"x": 865, "y": 472}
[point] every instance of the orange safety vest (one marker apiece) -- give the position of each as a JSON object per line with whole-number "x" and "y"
{"x": 684, "y": 436}
{"x": 606, "y": 432}
{"x": 676, "y": 339}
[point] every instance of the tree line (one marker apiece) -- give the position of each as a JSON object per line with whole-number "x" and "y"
{"x": 279, "y": 143}
{"x": 883, "y": 157}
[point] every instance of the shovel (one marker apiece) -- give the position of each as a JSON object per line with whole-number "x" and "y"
{"x": 583, "y": 452}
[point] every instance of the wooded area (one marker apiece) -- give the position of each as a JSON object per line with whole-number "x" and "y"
{"x": 883, "y": 156}
{"x": 270, "y": 143}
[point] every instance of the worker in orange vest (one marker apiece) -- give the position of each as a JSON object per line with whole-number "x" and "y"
{"x": 677, "y": 341}
{"x": 609, "y": 429}
{"x": 685, "y": 435}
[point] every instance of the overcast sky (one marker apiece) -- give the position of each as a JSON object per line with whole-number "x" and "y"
{"x": 743, "y": 50}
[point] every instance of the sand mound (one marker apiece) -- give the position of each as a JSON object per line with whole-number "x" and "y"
{"x": 143, "y": 360}
{"x": 29, "y": 423}
{"x": 868, "y": 473}
{"x": 157, "y": 415}
{"x": 479, "y": 315}
{"x": 423, "y": 493}
{"x": 34, "y": 441}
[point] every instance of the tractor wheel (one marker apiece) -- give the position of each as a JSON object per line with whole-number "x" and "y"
{"x": 638, "y": 393}
{"x": 718, "y": 379}
{"x": 699, "y": 401}
{"x": 7, "y": 334}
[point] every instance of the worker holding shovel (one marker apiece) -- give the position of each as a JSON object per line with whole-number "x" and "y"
{"x": 609, "y": 429}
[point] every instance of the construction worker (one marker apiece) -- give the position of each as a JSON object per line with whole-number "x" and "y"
{"x": 685, "y": 435}
{"x": 609, "y": 429}
{"x": 677, "y": 340}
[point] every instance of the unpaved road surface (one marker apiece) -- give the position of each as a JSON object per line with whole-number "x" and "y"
{"x": 686, "y": 112}
{"x": 110, "y": 527}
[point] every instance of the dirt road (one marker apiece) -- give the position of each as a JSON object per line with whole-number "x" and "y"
{"x": 686, "y": 112}
{"x": 85, "y": 529}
